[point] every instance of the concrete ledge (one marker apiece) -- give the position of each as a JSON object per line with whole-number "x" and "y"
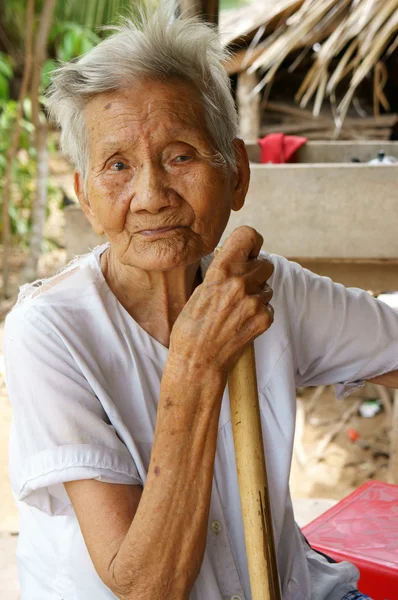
{"x": 334, "y": 151}
{"x": 376, "y": 275}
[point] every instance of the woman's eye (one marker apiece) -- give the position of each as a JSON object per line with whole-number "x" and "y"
{"x": 182, "y": 158}
{"x": 119, "y": 166}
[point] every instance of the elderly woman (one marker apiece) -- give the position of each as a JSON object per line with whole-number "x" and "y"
{"x": 122, "y": 458}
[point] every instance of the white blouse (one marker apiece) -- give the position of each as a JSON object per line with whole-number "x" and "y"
{"x": 84, "y": 380}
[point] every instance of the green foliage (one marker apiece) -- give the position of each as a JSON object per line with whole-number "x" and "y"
{"x": 6, "y": 74}
{"x": 46, "y": 71}
{"x": 13, "y": 22}
{"x": 228, "y": 4}
{"x": 67, "y": 40}
{"x": 24, "y": 170}
{"x": 76, "y": 28}
{"x": 94, "y": 13}
{"x": 71, "y": 40}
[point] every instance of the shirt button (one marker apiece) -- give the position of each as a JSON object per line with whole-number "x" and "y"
{"x": 216, "y": 527}
{"x": 236, "y": 598}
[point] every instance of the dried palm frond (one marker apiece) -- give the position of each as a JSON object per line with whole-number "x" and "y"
{"x": 380, "y": 80}
{"x": 343, "y": 68}
{"x": 360, "y": 34}
{"x": 379, "y": 45}
{"x": 245, "y": 21}
{"x": 291, "y": 38}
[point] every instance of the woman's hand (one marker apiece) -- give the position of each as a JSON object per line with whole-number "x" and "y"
{"x": 229, "y": 309}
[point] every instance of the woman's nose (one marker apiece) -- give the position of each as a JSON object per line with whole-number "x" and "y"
{"x": 152, "y": 191}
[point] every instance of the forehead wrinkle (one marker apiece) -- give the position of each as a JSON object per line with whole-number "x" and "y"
{"x": 171, "y": 117}
{"x": 174, "y": 124}
{"x": 128, "y": 125}
{"x": 180, "y": 95}
{"x": 182, "y": 112}
{"x": 131, "y": 135}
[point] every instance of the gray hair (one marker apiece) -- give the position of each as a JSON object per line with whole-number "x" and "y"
{"x": 157, "y": 45}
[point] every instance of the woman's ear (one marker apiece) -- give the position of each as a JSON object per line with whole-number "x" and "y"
{"x": 85, "y": 204}
{"x": 241, "y": 176}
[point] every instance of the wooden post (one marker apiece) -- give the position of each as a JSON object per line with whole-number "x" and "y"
{"x": 248, "y": 106}
{"x": 191, "y": 8}
{"x": 207, "y": 9}
{"x": 252, "y": 476}
{"x": 210, "y": 11}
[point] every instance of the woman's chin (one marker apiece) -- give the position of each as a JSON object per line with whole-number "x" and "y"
{"x": 163, "y": 255}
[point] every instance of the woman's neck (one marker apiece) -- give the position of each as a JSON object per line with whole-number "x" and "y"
{"x": 153, "y": 298}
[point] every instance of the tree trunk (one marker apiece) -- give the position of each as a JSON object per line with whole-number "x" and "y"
{"x": 11, "y": 154}
{"x": 41, "y": 128}
{"x": 40, "y": 205}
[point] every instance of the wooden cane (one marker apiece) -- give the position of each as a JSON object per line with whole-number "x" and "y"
{"x": 252, "y": 477}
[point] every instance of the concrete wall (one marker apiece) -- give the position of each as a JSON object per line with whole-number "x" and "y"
{"x": 324, "y": 211}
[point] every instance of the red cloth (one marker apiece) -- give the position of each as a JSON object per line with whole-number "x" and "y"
{"x": 278, "y": 148}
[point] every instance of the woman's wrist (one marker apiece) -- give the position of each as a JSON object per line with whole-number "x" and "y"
{"x": 194, "y": 370}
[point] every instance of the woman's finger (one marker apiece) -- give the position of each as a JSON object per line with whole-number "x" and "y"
{"x": 257, "y": 324}
{"x": 243, "y": 243}
{"x": 257, "y": 274}
{"x": 266, "y": 293}
{"x": 271, "y": 312}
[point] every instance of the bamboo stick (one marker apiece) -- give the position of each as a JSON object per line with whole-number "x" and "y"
{"x": 252, "y": 476}
{"x": 393, "y": 466}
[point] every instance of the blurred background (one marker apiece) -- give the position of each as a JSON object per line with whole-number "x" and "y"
{"x": 320, "y": 73}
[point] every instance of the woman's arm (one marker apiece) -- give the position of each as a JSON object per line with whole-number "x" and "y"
{"x": 150, "y": 545}
{"x": 388, "y": 380}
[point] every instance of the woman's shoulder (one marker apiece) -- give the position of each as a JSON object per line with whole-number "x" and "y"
{"x": 74, "y": 287}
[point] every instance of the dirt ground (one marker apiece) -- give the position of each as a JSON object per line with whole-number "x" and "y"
{"x": 330, "y": 472}
{"x": 359, "y": 451}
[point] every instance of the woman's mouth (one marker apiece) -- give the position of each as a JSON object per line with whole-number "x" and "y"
{"x": 159, "y": 231}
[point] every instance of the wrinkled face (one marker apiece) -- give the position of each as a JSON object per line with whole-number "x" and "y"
{"x": 152, "y": 184}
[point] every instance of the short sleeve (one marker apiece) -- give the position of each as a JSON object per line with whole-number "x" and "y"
{"x": 60, "y": 431}
{"x": 340, "y": 336}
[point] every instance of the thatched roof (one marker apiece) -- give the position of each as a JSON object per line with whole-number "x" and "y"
{"x": 346, "y": 38}
{"x": 243, "y": 22}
